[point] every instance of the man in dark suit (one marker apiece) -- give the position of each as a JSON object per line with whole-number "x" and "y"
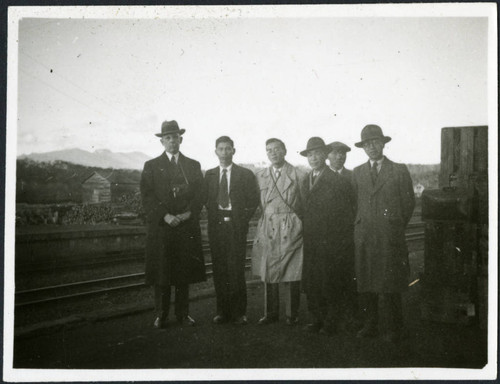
{"x": 385, "y": 202}
{"x": 328, "y": 267}
{"x": 171, "y": 195}
{"x": 231, "y": 196}
{"x": 337, "y": 158}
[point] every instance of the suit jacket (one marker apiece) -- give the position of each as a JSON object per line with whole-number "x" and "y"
{"x": 383, "y": 212}
{"x": 243, "y": 193}
{"x": 328, "y": 239}
{"x": 173, "y": 254}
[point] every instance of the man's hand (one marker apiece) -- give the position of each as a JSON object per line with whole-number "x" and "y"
{"x": 171, "y": 220}
{"x": 184, "y": 216}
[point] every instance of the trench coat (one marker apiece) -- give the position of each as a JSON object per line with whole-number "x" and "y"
{"x": 277, "y": 249}
{"x": 383, "y": 212}
{"x": 328, "y": 235}
{"x": 173, "y": 254}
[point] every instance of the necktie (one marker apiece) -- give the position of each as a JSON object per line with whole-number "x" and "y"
{"x": 223, "y": 197}
{"x": 314, "y": 177}
{"x": 277, "y": 174}
{"x": 373, "y": 172}
{"x": 172, "y": 160}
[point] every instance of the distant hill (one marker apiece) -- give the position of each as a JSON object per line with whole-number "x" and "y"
{"x": 102, "y": 158}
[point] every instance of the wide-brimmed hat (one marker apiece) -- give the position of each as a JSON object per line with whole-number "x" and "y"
{"x": 371, "y": 132}
{"x": 315, "y": 143}
{"x": 339, "y": 146}
{"x": 169, "y": 127}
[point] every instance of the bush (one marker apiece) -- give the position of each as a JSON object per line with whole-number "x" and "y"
{"x": 89, "y": 214}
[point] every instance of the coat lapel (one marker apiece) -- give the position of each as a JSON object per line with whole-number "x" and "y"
{"x": 288, "y": 177}
{"x": 384, "y": 175}
{"x": 318, "y": 179}
{"x": 235, "y": 177}
{"x": 214, "y": 185}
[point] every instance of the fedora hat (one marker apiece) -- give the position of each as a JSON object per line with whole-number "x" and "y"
{"x": 339, "y": 146}
{"x": 315, "y": 143}
{"x": 168, "y": 127}
{"x": 371, "y": 132}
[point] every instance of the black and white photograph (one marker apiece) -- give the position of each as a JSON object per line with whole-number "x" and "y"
{"x": 251, "y": 192}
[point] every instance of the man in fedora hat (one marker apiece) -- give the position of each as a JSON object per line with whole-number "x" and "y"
{"x": 328, "y": 267}
{"x": 385, "y": 202}
{"x": 171, "y": 196}
{"x": 231, "y": 196}
{"x": 277, "y": 248}
{"x": 337, "y": 158}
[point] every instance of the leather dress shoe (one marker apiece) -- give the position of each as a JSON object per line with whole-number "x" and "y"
{"x": 160, "y": 323}
{"x": 291, "y": 321}
{"x": 220, "y": 319}
{"x": 267, "y": 320}
{"x": 242, "y": 320}
{"x": 186, "y": 321}
{"x": 367, "y": 331}
{"x": 313, "y": 327}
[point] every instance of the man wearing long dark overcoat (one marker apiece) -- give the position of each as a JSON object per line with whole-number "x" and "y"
{"x": 171, "y": 195}
{"x": 385, "y": 203}
{"x": 328, "y": 267}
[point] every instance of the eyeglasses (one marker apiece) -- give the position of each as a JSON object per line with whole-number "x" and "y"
{"x": 372, "y": 143}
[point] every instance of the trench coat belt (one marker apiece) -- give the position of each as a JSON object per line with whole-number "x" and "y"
{"x": 277, "y": 210}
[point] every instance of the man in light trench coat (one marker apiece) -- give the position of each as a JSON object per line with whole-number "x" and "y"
{"x": 385, "y": 202}
{"x": 277, "y": 250}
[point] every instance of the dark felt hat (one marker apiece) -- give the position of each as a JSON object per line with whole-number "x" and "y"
{"x": 339, "y": 146}
{"x": 371, "y": 132}
{"x": 168, "y": 127}
{"x": 315, "y": 143}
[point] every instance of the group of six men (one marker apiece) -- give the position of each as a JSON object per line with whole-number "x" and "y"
{"x": 328, "y": 233}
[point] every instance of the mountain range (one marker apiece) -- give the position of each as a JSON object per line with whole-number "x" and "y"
{"x": 102, "y": 158}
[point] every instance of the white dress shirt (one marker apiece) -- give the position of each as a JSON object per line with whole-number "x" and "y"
{"x": 277, "y": 172}
{"x": 228, "y": 176}
{"x": 169, "y": 156}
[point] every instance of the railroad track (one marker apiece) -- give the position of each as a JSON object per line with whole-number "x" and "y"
{"x": 89, "y": 288}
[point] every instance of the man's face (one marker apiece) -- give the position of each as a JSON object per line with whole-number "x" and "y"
{"x": 316, "y": 158}
{"x": 374, "y": 149}
{"x": 337, "y": 158}
{"x": 171, "y": 142}
{"x": 276, "y": 154}
{"x": 225, "y": 152}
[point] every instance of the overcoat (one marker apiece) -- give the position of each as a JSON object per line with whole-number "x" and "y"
{"x": 328, "y": 234}
{"x": 347, "y": 174}
{"x": 173, "y": 254}
{"x": 277, "y": 249}
{"x": 383, "y": 212}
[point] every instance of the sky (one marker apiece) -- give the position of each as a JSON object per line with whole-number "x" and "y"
{"x": 98, "y": 83}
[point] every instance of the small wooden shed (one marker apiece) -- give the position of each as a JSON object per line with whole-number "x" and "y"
{"x": 96, "y": 189}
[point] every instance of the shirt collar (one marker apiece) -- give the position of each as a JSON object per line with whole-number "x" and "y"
{"x": 277, "y": 169}
{"x": 228, "y": 169}
{"x": 379, "y": 162}
{"x": 339, "y": 171}
{"x": 169, "y": 156}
